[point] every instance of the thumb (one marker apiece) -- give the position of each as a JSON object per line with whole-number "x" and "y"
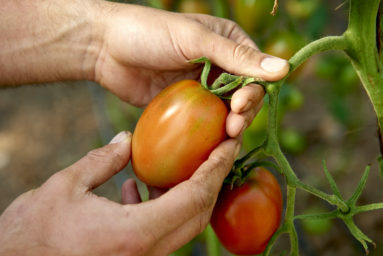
{"x": 240, "y": 59}
{"x": 99, "y": 165}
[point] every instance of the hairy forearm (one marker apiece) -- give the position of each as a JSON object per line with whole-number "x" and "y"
{"x": 47, "y": 40}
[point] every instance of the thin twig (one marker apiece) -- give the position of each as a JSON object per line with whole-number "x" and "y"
{"x": 340, "y": 6}
{"x": 275, "y": 8}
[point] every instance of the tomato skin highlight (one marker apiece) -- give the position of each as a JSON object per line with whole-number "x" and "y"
{"x": 176, "y": 133}
{"x": 245, "y": 218}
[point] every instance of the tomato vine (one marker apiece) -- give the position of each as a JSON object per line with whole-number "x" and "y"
{"x": 361, "y": 44}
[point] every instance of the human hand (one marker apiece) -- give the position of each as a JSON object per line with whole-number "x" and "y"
{"x": 64, "y": 217}
{"x": 145, "y": 50}
{"x": 133, "y": 51}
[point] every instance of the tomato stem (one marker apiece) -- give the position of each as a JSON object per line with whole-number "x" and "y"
{"x": 226, "y": 83}
{"x": 359, "y": 42}
{"x": 369, "y": 207}
{"x": 205, "y": 70}
{"x": 317, "y": 46}
{"x": 318, "y": 216}
{"x": 281, "y": 230}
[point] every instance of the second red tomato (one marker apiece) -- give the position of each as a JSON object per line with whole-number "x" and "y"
{"x": 246, "y": 217}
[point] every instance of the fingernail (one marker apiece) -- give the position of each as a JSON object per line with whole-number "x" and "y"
{"x": 237, "y": 149}
{"x": 121, "y": 137}
{"x": 273, "y": 64}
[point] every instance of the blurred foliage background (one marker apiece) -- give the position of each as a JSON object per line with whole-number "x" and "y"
{"x": 324, "y": 114}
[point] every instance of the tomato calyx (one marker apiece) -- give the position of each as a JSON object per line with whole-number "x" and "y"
{"x": 226, "y": 83}
{"x": 241, "y": 172}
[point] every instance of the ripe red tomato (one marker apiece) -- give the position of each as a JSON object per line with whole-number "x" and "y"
{"x": 246, "y": 217}
{"x": 176, "y": 133}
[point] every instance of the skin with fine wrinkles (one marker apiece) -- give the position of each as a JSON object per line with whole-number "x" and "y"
{"x": 134, "y": 52}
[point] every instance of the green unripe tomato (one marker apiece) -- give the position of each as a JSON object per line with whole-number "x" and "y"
{"x": 316, "y": 226}
{"x": 291, "y": 97}
{"x": 292, "y": 141}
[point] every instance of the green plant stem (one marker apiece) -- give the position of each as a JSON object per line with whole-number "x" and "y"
{"x": 332, "y": 199}
{"x": 369, "y": 207}
{"x": 282, "y": 229}
{"x": 320, "y": 45}
{"x": 273, "y": 149}
{"x": 364, "y": 55}
{"x": 289, "y": 220}
{"x": 318, "y": 216}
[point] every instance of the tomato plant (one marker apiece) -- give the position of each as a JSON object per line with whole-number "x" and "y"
{"x": 176, "y": 133}
{"x": 244, "y": 218}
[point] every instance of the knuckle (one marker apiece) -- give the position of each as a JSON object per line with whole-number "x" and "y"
{"x": 232, "y": 28}
{"x": 135, "y": 243}
{"x": 103, "y": 156}
{"x": 60, "y": 180}
{"x": 218, "y": 161}
{"x": 131, "y": 246}
{"x": 241, "y": 53}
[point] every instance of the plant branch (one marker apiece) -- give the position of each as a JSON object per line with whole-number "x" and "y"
{"x": 318, "y": 216}
{"x": 332, "y": 199}
{"x": 332, "y": 182}
{"x": 317, "y": 46}
{"x": 282, "y": 229}
{"x": 368, "y": 207}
